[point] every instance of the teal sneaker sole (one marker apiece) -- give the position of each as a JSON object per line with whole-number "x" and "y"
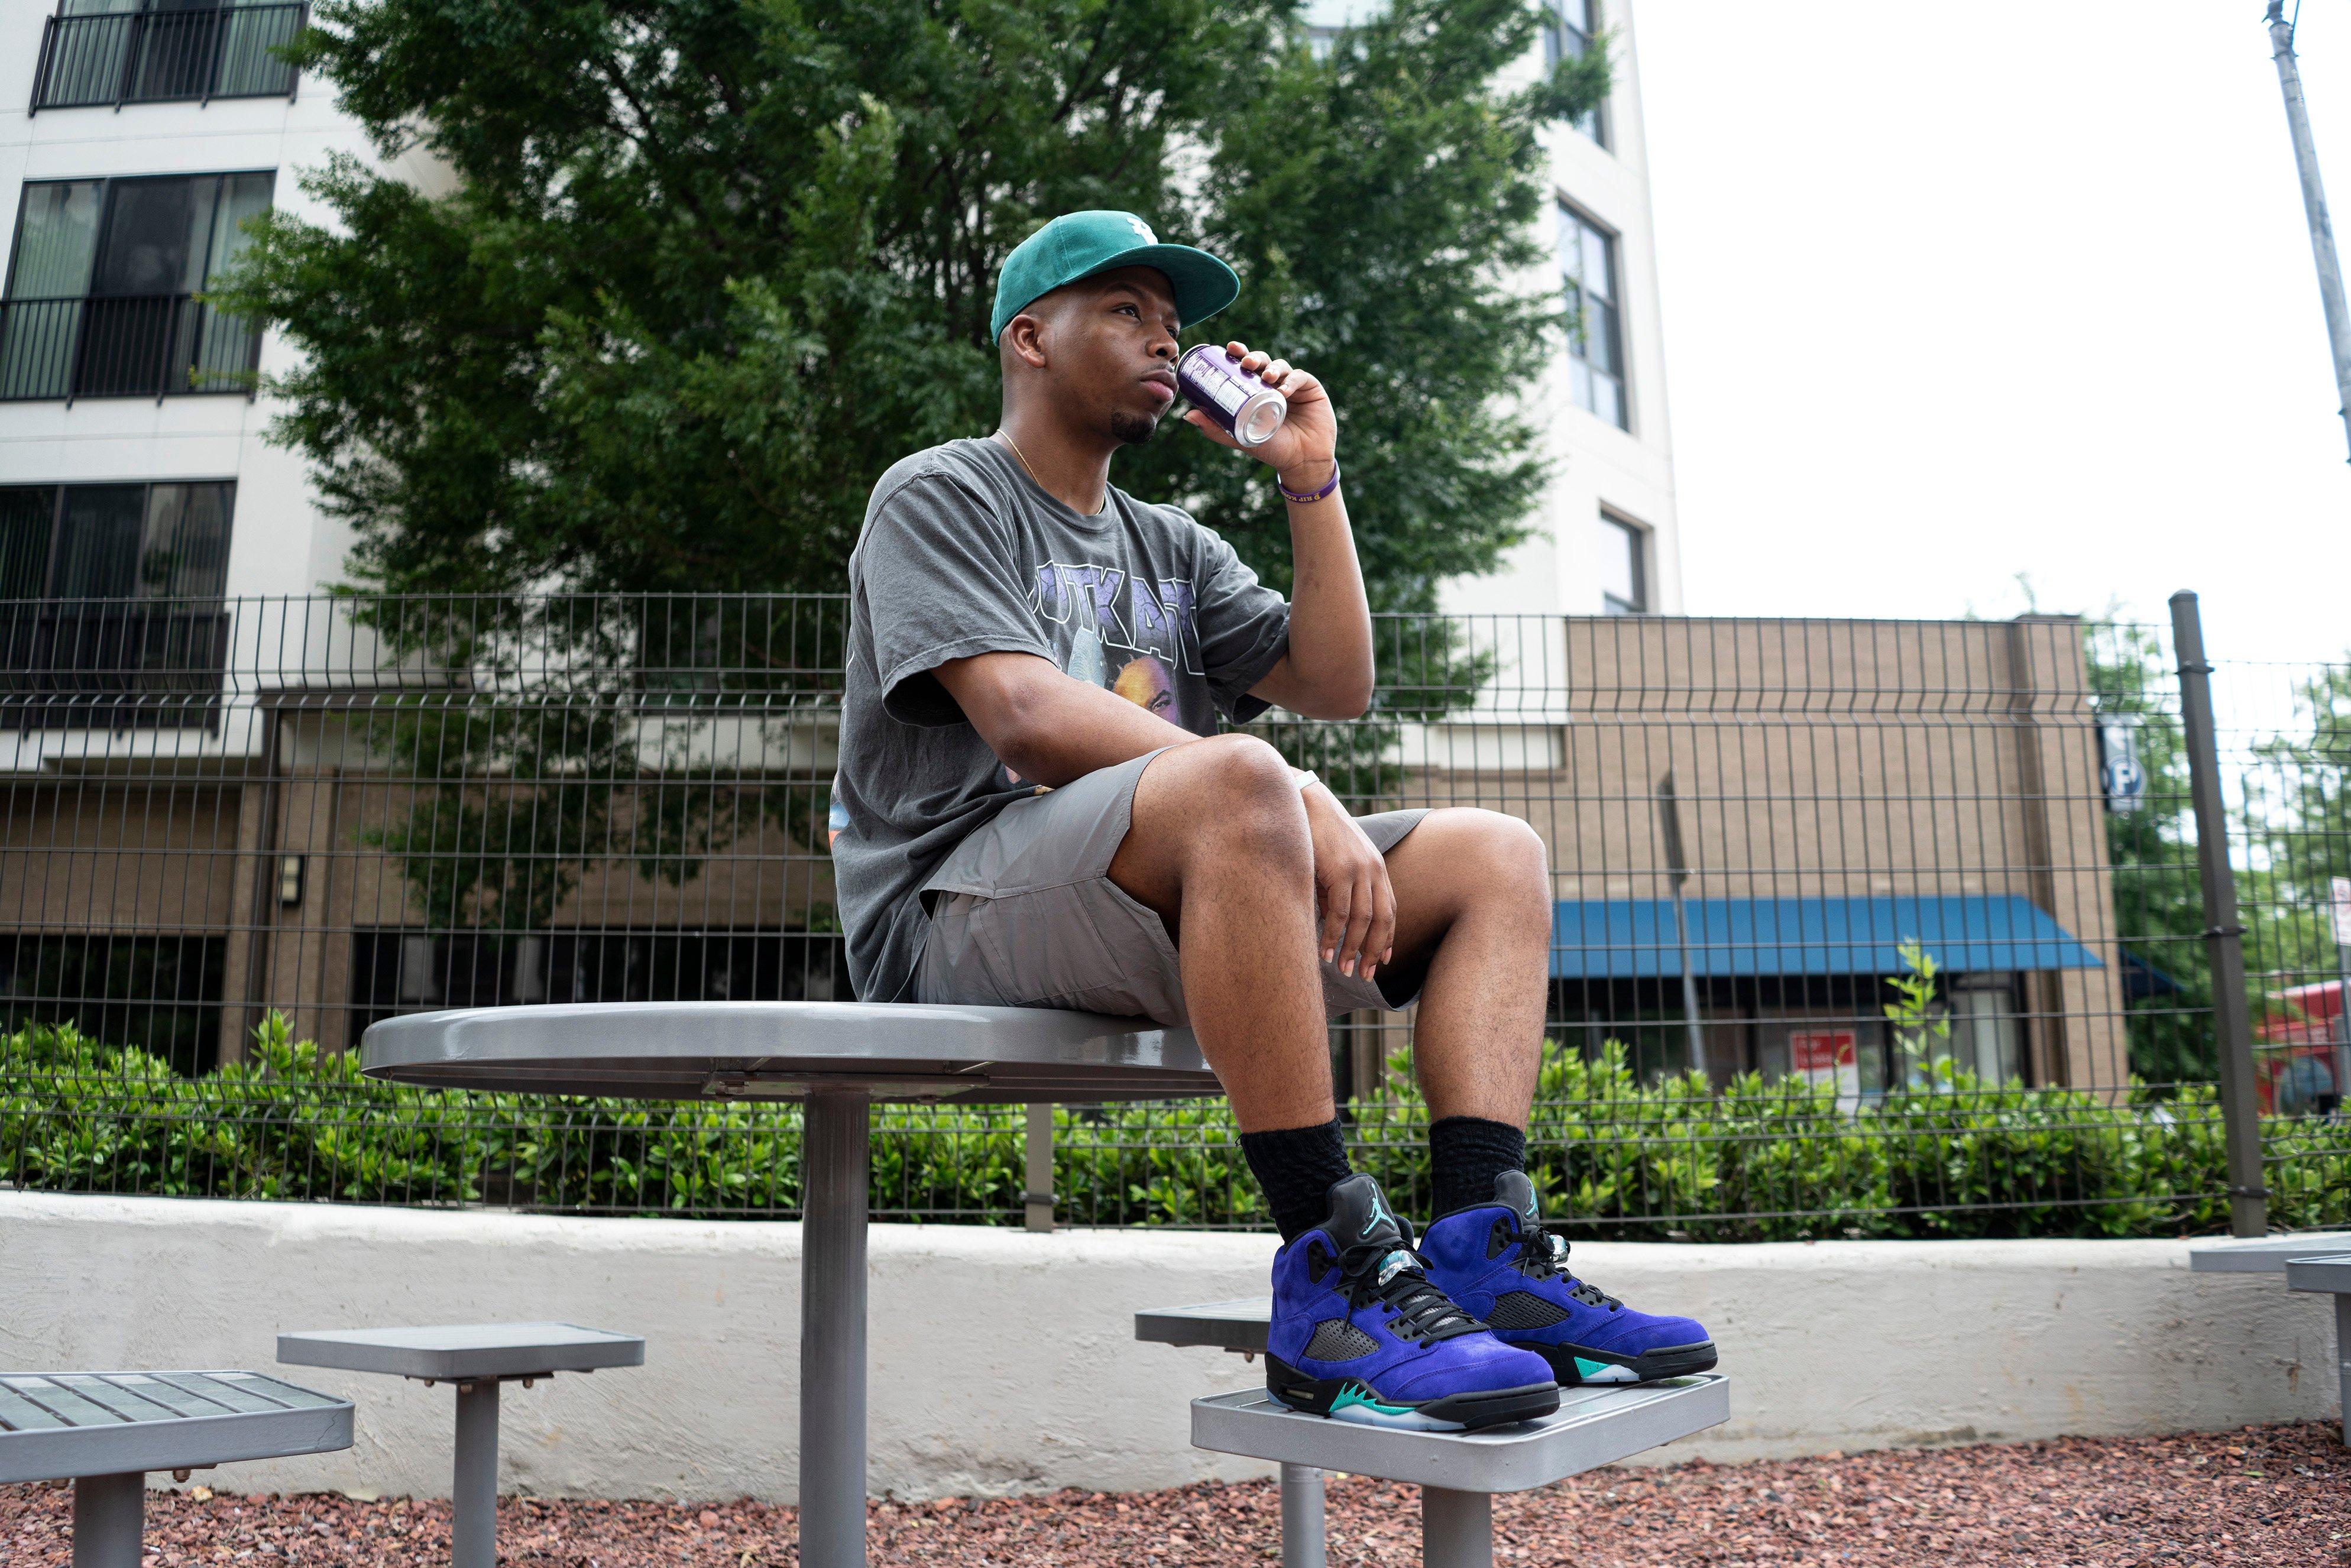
{"x": 1351, "y": 1399}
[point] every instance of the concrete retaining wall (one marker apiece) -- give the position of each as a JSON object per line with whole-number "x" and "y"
{"x": 1003, "y": 1361}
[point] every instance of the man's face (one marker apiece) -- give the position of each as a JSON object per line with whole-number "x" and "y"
{"x": 1110, "y": 348}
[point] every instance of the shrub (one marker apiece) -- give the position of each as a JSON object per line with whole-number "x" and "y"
{"x": 1759, "y": 1161}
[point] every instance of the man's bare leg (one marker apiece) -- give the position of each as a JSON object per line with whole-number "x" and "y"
{"x": 1474, "y": 907}
{"x": 1219, "y": 847}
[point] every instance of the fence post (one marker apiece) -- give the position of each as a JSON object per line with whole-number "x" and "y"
{"x": 1039, "y": 1199}
{"x": 2224, "y": 936}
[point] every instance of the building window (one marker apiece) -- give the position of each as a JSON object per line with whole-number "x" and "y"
{"x": 112, "y": 612}
{"x": 1986, "y": 1033}
{"x": 1570, "y": 30}
{"x": 1624, "y": 568}
{"x": 1595, "y": 339}
{"x": 96, "y": 52}
{"x": 102, "y": 285}
{"x": 1327, "y": 21}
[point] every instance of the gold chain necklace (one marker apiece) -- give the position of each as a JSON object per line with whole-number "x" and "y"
{"x": 1033, "y": 473}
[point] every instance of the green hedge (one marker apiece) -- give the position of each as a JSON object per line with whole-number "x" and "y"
{"x": 1761, "y": 1161}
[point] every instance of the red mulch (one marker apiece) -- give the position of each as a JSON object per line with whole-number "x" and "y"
{"x": 2266, "y": 1495}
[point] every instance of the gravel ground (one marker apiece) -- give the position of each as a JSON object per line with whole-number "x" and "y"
{"x": 2266, "y": 1495}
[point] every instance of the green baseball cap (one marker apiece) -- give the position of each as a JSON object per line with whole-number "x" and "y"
{"x": 1078, "y": 244}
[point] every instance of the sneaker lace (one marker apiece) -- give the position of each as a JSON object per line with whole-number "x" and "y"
{"x": 1421, "y": 1310}
{"x": 1543, "y": 1256}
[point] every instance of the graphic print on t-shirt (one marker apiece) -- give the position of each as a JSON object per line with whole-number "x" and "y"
{"x": 1112, "y": 629}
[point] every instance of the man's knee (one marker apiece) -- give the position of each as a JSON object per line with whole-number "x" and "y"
{"x": 1494, "y": 836}
{"x": 1499, "y": 850}
{"x": 1231, "y": 795}
{"x": 1248, "y": 801}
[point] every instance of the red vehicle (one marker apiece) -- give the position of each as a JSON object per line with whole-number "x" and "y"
{"x": 2300, "y": 1058}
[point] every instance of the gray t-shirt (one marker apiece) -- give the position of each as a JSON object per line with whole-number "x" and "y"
{"x": 963, "y": 553}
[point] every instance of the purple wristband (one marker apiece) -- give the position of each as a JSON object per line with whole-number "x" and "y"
{"x": 1329, "y": 484}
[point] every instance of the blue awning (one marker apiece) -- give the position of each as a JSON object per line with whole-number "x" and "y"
{"x": 1633, "y": 938}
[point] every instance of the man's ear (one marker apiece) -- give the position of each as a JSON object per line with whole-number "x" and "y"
{"x": 1024, "y": 339}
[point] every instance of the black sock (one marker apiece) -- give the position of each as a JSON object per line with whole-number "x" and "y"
{"x": 1297, "y": 1166}
{"x": 1466, "y": 1154}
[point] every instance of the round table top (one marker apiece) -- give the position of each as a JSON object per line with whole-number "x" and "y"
{"x": 787, "y": 1050}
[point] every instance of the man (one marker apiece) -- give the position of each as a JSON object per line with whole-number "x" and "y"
{"x": 1038, "y": 812}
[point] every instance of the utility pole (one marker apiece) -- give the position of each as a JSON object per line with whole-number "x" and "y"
{"x": 1669, "y": 822}
{"x": 2313, "y": 203}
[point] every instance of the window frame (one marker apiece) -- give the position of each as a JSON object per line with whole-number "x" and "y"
{"x": 108, "y": 185}
{"x": 41, "y": 691}
{"x": 1575, "y": 290}
{"x": 1639, "y": 540}
{"x": 1595, "y": 125}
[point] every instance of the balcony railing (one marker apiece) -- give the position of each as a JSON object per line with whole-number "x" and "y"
{"x": 138, "y": 345}
{"x": 112, "y": 663}
{"x": 162, "y": 56}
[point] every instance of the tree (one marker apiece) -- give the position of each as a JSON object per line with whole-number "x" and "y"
{"x": 704, "y": 269}
{"x": 2158, "y": 898}
{"x": 2297, "y": 789}
{"x": 709, "y": 265}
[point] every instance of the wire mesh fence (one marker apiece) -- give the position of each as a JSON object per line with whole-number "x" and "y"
{"x": 1860, "y": 927}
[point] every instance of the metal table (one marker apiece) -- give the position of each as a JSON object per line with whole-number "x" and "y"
{"x": 105, "y": 1430}
{"x": 839, "y": 1058}
{"x": 477, "y": 1358}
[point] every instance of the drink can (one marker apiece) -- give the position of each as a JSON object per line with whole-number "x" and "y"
{"x": 1243, "y": 406}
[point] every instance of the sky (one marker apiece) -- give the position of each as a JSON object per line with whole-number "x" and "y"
{"x": 1957, "y": 291}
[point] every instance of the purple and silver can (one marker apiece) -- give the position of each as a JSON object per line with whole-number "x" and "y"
{"x": 1213, "y": 381}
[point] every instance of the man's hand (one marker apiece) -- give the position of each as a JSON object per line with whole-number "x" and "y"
{"x": 1303, "y": 449}
{"x": 1351, "y": 887}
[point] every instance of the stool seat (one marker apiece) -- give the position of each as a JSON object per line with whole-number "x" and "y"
{"x": 460, "y": 1352}
{"x": 2265, "y": 1254}
{"x": 477, "y": 1357}
{"x": 1594, "y": 1426}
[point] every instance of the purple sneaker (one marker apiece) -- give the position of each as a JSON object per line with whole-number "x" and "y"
{"x": 1498, "y": 1261}
{"x": 1360, "y": 1335}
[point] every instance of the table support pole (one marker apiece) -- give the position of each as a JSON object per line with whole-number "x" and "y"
{"x": 833, "y": 1165}
{"x": 1456, "y": 1528}
{"x": 109, "y": 1514}
{"x": 473, "y": 1483}
{"x": 1301, "y": 1517}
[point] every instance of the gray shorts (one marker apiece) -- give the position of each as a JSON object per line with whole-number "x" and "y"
{"x": 1024, "y": 914}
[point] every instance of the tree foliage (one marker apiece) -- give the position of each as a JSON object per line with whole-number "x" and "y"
{"x": 701, "y": 269}
{"x": 2158, "y": 898}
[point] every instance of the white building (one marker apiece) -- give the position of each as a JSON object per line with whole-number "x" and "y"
{"x": 132, "y": 138}
{"x": 1606, "y": 540}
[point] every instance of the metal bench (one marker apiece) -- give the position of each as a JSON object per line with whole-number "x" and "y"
{"x": 1458, "y": 1472}
{"x": 477, "y": 1357}
{"x": 105, "y": 1430}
